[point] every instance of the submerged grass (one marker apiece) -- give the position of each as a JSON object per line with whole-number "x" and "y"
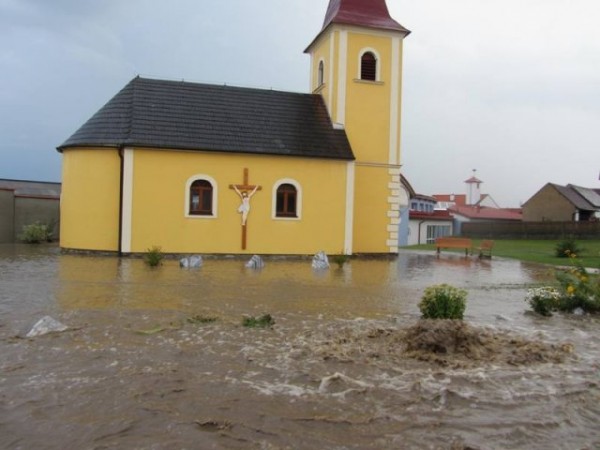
{"x": 539, "y": 251}
{"x": 264, "y": 321}
{"x": 201, "y": 320}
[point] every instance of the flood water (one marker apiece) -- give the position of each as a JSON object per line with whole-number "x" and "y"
{"x": 136, "y": 371}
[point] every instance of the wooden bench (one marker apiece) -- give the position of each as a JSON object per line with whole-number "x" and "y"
{"x": 453, "y": 242}
{"x": 485, "y": 249}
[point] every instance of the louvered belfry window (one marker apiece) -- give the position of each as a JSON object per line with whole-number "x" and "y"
{"x": 368, "y": 67}
{"x": 201, "y": 198}
{"x": 286, "y": 201}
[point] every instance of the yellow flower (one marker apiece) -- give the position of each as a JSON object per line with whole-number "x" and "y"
{"x": 570, "y": 289}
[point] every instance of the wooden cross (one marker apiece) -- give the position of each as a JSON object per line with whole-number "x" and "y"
{"x": 245, "y": 187}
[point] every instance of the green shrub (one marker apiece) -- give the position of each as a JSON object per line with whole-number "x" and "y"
{"x": 443, "y": 301}
{"x": 578, "y": 288}
{"x": 154, "y": 256}
{"x": 264, "y": 321}
{"x": 543, "y": 300}
{"x": 35, "y": 233}
{"x": 340, "y": 260}
{"x": 566, "y": 248}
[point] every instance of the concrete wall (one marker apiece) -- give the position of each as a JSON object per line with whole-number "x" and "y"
{"x": 29, "y": 210}
{"x": 18, "y": 211}
{"x": 6, "y": 216}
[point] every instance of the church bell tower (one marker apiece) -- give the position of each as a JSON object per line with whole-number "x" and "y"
{"x": 356, "y": 66}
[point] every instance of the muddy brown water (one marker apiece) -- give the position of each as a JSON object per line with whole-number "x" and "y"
{"x": 134, "y": 372}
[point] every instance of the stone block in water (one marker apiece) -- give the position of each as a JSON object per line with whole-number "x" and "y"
{"x": 256, "y": 262}
{"x": 320, "y": 261}
{"x": 191, "y": 262}
{"x": 46, "y": 325}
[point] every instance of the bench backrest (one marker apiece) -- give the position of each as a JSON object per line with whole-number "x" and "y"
{"x": 453, "y": 241}
{"x": 487, "y": 245}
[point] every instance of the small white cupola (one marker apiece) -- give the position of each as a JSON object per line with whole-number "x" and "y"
{"x": 473, "y": 189}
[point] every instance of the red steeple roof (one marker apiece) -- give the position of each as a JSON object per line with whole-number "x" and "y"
{"x": 365, "y": 13}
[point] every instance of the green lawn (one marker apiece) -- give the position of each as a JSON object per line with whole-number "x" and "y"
{"x": 540, "y": 251}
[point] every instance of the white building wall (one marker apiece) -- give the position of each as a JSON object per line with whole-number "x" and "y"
{"x": 415, "y": 237}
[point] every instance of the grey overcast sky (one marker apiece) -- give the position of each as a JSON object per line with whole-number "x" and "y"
{"x": 508, "y": 87}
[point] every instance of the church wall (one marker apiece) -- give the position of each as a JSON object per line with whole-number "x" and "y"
{"x": 159, "y": 206}
{"x": 374, "y": 133}
{"x": 369, "y": 133}
{"x": 371, "y": 114}
{"x": 372, "y": 211}
{"x": 325, "y": 50}
{"x": 367, "y": 102}
{"x": 90, "y": 199}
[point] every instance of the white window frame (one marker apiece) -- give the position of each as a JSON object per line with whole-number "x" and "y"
{"x": 320, "y": 76}
{"x": 435, "y": 232}
{"x": 215, "y": 196}
{"x": 298, "y": 199}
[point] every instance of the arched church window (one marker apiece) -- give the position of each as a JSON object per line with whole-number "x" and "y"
{"x": 368, "y": 67}
{"x": 201, "y": 198}
{"x": 286, "y": 201}
{"x": 321, "y": 77}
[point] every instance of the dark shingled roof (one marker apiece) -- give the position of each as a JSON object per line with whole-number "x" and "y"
{"x": 190, "y": 116}
{"x": 582, "y": 198}
{"x": 590, "y": 195}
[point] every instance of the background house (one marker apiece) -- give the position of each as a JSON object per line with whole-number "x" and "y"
{"x": 420, "y": 222}
{"x": 26, "y": 202}
{"x": 427, "y": 223}
{"x": 474, "y": 207}
{"x": 482, "y": 215}
{"x": 406, "y": 193}
{"x": 447, "y": 201}
{"x": 556, "y": 203}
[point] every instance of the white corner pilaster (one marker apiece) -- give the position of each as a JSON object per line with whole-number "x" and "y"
{"x": 349, "y": 229}
{"x": 395, "y": 102}
{"x": 331, "y": 70}
{"x": 127, "y": 206}
{"x": 342, "y": 78}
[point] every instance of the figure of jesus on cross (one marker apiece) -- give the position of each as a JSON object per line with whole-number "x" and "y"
{"x": 244, "y": 208}
{"x": 245, "y": 191}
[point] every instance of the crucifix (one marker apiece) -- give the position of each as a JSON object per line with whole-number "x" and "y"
{"x": 245, "y": 191}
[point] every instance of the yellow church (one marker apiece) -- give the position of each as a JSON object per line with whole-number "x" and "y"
{"x": 199, "y": 168}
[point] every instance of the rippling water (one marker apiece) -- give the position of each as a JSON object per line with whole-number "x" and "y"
{"x": 134, "y": 372}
